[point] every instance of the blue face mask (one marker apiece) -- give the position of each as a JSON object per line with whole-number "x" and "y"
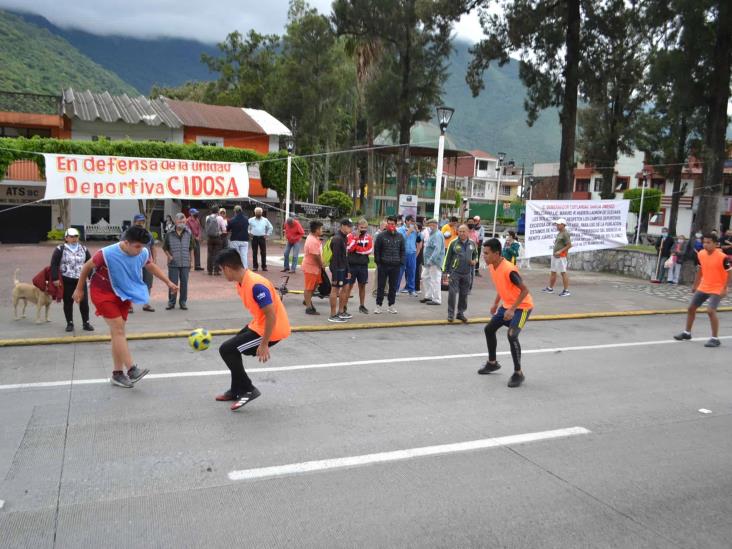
{"x": 73, "y": 246}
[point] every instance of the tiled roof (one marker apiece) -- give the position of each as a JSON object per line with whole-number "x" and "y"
{"x": 89, "y": 106}
{"x": 217, "y": 117}
{"x": 482, "y": 155}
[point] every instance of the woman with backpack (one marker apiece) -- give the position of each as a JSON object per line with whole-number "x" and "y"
{"x": 66, "y": 263}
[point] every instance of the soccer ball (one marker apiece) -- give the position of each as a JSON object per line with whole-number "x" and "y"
{"x": 199, "y": 339}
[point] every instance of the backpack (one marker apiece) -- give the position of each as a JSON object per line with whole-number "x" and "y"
{"x": 327, "y": 252}
{"x": 212, "y": 226}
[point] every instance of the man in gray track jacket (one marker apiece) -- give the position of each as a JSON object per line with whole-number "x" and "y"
{"x": 461, "y": 258}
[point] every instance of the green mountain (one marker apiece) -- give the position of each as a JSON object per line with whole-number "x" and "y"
{"x": 35, "y": 60}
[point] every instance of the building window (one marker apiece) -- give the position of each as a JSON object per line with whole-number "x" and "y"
{"x": 658, "y": 219}
{"x": 582, "y": 185}
{"x": 8, "y": 131}
{"x": 622, "y": 184}
{"x": 505, "y": 190}
{"x": 598, "y": 185}
{"x": 482, "y": 165}
{"x": 208, "y": 141}
{"x": 659, "y": 184}
{"x": 99, "y": 211}
{"x": 478, "y": 189}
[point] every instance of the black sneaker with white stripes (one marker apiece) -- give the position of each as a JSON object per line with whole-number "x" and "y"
{"x": 245, "y": 398}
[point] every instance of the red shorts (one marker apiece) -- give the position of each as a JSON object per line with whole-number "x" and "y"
{"x": 312, "y": 281}
{"x": 109, "y": 305}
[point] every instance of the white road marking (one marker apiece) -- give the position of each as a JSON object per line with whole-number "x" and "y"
{"x": 399, "y": 455}
{"x": 705, "y": 411}
{"x": 373, "y": 362}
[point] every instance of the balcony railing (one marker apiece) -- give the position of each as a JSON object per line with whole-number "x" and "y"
{"x": 30, "y": 103}
{"x": 23, "y": 170}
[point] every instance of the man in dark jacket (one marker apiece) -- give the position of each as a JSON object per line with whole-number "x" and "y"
{"x": 178, "y": 248}
{"x": 339, "y": 273}
{"x": 460, "y": 260}
{"x": 238, "y": 229}
{"x": 389, "y": 255}
{"x": 664, "y": 245}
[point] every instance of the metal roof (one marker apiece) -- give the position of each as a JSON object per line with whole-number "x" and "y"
{"x": 89, "y": 106}
{"x": 217, "y": 117}
{"x": 269, "y": 124}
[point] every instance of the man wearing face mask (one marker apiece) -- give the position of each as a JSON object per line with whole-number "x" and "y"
{"x": 359, "y": 247}
{"x": 389, "y": 257}
{"x": 663, "y": 246}
{"x": 178, "y": 248}
{"x": 678, "y": 252}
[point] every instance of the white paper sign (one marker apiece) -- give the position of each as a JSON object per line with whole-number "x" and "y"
{"x": 592, "y": 224}
{"x": 124, "y": 178}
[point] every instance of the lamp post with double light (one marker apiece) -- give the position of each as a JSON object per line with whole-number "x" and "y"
{"x": 290, "y": 144}
{"x": 444, "y": 114}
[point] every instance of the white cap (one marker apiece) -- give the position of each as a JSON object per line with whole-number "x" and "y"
{"x": 560, "y": 221}
{"x": 71, "y": 232}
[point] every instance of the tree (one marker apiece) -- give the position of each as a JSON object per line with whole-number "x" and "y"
{"x": 416, "y": 41}
{"x": 244, "y": 69}
{"x": 274, "y": 171}
{"x": 201, "y": 92}
{"x": 612, "y": 80}
{"x": 714, "y": 151}
{"x": 546, "y": 35}
{"x": 340, "y": 201}
{"x": 677, "y": 77}
{"x": 651, "y": 203}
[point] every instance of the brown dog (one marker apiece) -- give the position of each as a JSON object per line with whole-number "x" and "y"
{"x": 28, "y": 292}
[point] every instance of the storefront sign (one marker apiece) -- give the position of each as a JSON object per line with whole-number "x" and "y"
{"x": 123, "y": 178}
{"x": 592, "y": 224}
{"x": 20, "y": 194}
{"x": 314, "y": 210}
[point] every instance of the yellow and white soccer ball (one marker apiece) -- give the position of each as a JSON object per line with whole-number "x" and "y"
{"x": 199, "y": 339}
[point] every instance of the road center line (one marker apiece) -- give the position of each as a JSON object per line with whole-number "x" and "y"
{"x": 373, "y": 362}
{"x": 400, "y": 455}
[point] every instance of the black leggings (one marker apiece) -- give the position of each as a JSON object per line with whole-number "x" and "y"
{"x": 514, "y": 330}
{"x": 231, "y": 350}
{"x": 69, "y": 287}
{"x": 386, "y": 273}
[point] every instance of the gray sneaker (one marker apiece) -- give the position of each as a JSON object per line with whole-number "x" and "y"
{"x": 345, "y": 315}
{"x": 136, "y": 374}
{"x": 120, "y": 379}
{"x": 713, "y": 342}
{"x": 336, "y": 318}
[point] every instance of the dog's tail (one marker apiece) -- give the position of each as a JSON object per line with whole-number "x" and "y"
{"x": 15, "y": 277}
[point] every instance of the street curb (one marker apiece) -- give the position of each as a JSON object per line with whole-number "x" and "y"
{"x": 348, "y": 326}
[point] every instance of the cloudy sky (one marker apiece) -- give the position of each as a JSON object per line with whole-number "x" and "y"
{"x": 208, "y": 21}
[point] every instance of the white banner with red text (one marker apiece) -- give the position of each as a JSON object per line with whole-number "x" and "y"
{"x": 592, "y": 224}
{"x": 128, "y": 178}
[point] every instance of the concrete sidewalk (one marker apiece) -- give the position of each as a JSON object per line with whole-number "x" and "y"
{"x": 213, "y": 302}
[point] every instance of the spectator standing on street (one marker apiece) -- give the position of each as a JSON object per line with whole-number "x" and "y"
{"x": 698, "y": 244}
{"x": 178, "y": 248}
{"x": 663, "y": 246}
{"x": 450, "y": 231}
{"x": 511, "y": 248}
{"x": 238, "y": 229}
{"x": 359, "y": 246}
{"x": 515, "y": 307}
{"x": 259, "y": 229}
{"x": 678, "y": 252}
{"x": 66, "y": 263}
{"x": 59, "y": 224}
{"x": 409, "y": 233}
{"x": 562, "y": 244}
{"x": 460, "y": 260}
{"x": 422, "y": 236}
{"x": 339, "y": 273}
{"x": 481, "y": 238}
{"x": 194, "y": 225}
{"x": 223, "y": 223}
{"x": 139, "y": 221}
{"x": 213, "y": 235}
{"x": 293, "y": 234}
{"x": 726, "y": 244}
{"x": 434, "y": 257}
{"x": 389, "y": 253}
{"x": 710, "y": 286}
{"x": 312, "y": 265}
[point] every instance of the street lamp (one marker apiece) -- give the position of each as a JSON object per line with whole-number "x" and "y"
{"x": 501, "y": 157}
{"x": 444, "y": 114}
{"x": 290, "y": 144}
{"x": 646, "y": 175}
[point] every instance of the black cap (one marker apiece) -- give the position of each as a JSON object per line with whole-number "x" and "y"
{"x": 347, "y": 222}
{"x": 409, "y": 218}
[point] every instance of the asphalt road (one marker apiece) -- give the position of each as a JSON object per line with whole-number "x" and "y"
{"x": 163, "y": 465}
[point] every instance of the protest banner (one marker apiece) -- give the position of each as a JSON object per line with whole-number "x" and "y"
{"x": 593, "y": 224}
{"x": 127, "y": 178}
{"x": 408, "y": 205}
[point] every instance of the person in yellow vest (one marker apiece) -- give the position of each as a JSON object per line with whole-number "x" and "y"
{"x": 710, "y": 285}
{"x": 511, "y": 308}
{"x": 269, "y": 326}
